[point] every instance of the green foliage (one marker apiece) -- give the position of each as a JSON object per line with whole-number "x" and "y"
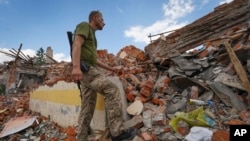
{"x": 40, "y": 57}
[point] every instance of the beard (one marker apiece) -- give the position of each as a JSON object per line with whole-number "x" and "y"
{"x": 99, "y": 27}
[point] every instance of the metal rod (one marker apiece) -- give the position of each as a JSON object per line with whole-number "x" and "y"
{"x": 18, "y": 53}
{"x": 6, "y": 53}
{"x": 162, "y": 33}
{"x": 23, "y": 56}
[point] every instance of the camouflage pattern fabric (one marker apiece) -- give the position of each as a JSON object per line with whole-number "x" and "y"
{"x": 2, "y": 89}
{"x": 94, "y": 82}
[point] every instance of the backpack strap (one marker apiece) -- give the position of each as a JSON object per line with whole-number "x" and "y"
{"x": 70, "y": 38}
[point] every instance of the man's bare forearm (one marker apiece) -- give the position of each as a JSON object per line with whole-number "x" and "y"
{"x": 77, "y": 51}
{"x": 102, "y": 65}
{"x": 76, "y": 56}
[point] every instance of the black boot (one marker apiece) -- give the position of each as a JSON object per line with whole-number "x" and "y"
{"x": 126, "y": 135}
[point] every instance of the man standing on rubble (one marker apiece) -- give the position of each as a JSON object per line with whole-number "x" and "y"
{"x": 93, "y": 81}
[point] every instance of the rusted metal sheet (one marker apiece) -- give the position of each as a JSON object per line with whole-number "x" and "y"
{"x": 17, "y": 124}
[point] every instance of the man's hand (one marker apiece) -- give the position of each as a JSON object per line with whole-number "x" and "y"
{"x": 76, "y": 74}
{"x": 118, "y": 71}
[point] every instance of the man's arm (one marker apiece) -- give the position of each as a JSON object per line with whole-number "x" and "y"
{"x": 76, "y": 53}
{"x": 102, "y": 65}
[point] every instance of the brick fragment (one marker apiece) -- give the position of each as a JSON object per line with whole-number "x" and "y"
{"x": 146, "y": 136}
{"x": 146, "y": 88}
{"x": 235, "y": 122}
{"x": 220, "y": 135}
{"x": 160, "y": 118}
{"x": 157, "y": 101}
{"x": 134, "y": 79}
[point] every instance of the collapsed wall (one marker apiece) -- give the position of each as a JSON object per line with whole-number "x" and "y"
{"x": 215, "y": 26}
{"x": 141, "y": 70}
{"x": 165, "y": 77}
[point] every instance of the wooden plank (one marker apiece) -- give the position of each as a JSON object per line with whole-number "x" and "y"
{"x": 239, "y": 68}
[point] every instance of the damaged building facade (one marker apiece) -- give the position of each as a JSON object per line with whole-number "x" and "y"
{"x": 21, "y": 74}
{"x": 200, "y": 70}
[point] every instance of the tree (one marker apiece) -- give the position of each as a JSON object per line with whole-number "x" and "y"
{"x": 40, "y": 57}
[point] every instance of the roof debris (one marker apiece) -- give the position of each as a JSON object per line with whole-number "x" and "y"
{"x": 196, "y": 79}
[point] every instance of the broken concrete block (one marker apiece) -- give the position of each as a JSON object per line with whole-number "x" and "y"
{"x": 160, "y": 118}
{"x": 177, "y": 106}
{"x": 136, "y": 121}
{"x": 229, "y": 80}
{"x": 147, "y": 118}
{"x": 161, "y": 83}
{"x": 227, "y": 96}
{"x": 135, "y": 108}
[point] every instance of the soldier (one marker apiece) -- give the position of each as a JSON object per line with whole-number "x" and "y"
{"x": 93, "y": 81}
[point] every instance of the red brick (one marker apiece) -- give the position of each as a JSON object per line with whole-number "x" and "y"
{"x": 146, "y": 136}
{"x": 146, "y": 91}
{"x": 220, "y": 135}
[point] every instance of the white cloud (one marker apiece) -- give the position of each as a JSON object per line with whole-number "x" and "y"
{"x": 177, "y": 8}
{"x": 57, "y": 56}
{"x": 61, "y": 57}
{"x": 4, "y": 57}
{"x": 173, "y": 10}
{"x": 31, "y": 53}
{"x": 204, "y": 2}
{"x": 225, "y": 1}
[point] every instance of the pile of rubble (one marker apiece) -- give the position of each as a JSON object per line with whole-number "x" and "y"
{"x": 190, "y": 85}
{"x": 23, "y": 124}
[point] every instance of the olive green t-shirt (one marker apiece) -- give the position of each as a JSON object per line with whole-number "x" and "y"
{"x": 89, "y": 47}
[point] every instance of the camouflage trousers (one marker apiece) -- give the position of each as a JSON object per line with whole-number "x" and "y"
{"x": 94, "y": 82}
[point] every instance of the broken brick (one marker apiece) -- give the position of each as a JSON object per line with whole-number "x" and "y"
{"x": 136, "y": 122}
{"x": 220, "y": 135}
{"x": 146, "y": 136}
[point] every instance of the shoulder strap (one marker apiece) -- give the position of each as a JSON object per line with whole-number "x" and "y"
{"x": 70, "y": 38}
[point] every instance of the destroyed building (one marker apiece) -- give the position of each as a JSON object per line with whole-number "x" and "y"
{"x": 193, "y": 79}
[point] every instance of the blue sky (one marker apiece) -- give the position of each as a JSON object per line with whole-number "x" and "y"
{"x": 43, "y": 23}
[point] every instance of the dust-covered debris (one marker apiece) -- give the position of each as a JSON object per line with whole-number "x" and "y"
{"x": 182, "y": 83}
